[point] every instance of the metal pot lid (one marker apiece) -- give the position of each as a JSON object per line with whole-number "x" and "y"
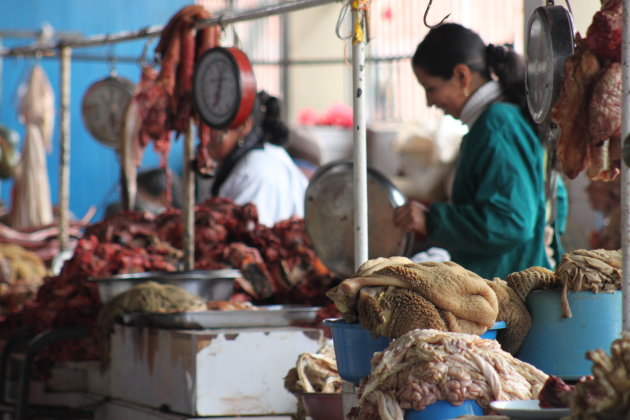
{"x": 549, "y": 43}
{"x": 329, "y": 217}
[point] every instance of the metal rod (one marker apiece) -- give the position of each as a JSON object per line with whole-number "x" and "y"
{"x": 36, "y": 34}
{"x": 98, "y": 57}
{"x": 281, "y": 62}
{"x": 153, "y": 31}
{"x": 625, "y": 171}
{"x": 284, "y": 69}
{"x": 105, "y": 39}
{"x": 189, "y": 200}
{"x": 359, "y": 141}
{"x": 64, "y": 147}
{"x": 275, "y": 9}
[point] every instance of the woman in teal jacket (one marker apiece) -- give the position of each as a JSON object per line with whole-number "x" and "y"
{"x": 495, "y": 222}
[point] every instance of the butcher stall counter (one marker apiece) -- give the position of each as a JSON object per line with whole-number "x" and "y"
{"x": 226, "y": 371}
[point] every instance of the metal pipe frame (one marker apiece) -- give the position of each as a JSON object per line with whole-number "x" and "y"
{"x": 361, "y": 242}
{"x": 52, "y": 48}
{"x": 625, "y": 170}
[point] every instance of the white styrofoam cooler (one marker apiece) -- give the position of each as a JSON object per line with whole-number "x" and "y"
{"x": 221, "y": 372}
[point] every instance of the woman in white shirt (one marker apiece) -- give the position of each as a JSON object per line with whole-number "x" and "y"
{"x": 253, "y": 167}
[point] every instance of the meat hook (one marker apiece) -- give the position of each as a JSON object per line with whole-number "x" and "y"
{"x": 142, "y": 60}
{"x": 111, "y": 60}
{"x": 426, "y": 13}
{"x": 569, "y": 7}
{"x": 551, "y": 3}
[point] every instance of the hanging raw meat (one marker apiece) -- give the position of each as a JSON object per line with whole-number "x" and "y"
{"x": 588, "y": 111}
{"x": 580, "y": 72}
{"x": 31, "y": 205}
{"x": 603, "y": 36}
{"x": 162, "y": 101}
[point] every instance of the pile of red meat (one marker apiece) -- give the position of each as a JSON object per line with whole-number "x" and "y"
{"x": 588, "y": 111}
{"x": 278, "y": 264}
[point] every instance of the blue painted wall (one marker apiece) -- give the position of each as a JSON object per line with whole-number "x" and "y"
{"x": 94, "y": 168}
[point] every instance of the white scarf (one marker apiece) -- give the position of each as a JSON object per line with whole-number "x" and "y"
{"x": 487, "y": 94}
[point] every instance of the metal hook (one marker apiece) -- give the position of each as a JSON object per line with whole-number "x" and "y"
{"x": 236, "y": 40}
{"x": 222, "y": 27}
{"x": 111, "y": 61}
{"x": 426, "y": 13}
{"x": 342, "y": 16}
{"x": 569, "y": 7}
{"x": 142, "y": 60}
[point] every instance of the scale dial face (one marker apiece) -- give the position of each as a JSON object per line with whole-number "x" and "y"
{"x": 549, "y": 43}
{"x": 224, "y": 87}
{"x": 103, "y": 109}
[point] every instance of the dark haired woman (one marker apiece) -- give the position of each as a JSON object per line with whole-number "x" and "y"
{"x": 253, "y": 167}
{"x": 496, "y": 221}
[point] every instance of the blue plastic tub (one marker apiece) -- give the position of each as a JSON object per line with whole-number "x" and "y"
{"x": 444, "y": 410}
{"x": 355, "y": 346}
{"x": 558, "y": 345}
{"x": 491, "y": 334}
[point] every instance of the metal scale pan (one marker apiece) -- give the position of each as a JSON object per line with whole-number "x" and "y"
{"x": 329, "y": 217}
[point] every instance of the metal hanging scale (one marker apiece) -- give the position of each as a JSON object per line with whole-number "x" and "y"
{"x": 549, "y": 44}
{"x": 103, "y": 108}
{"x": 224, "y": 87}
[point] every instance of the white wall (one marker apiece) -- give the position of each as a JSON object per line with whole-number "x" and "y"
{"x": 312, "y": 36}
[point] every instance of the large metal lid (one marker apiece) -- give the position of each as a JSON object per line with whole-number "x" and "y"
{"x": 329, "y": 217}
{"x": 549, "y": 43}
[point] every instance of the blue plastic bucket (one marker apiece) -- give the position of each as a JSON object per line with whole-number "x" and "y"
{"x": 558, "y": 345}
{"x": 444, "y": 410}
{"x": 355, "y": 346}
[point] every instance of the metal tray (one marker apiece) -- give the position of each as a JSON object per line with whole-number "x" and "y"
{"x": 265, "y": 316}
{"x": 329, "y": 217}
{"x": 209, "y": 284}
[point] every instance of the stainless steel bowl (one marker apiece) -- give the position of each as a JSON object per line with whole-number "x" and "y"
{"x": 209, "y": 284}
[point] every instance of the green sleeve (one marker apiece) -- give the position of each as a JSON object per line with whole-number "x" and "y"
{"x": 562, "y": 205}
{"x": 496, "y": 203}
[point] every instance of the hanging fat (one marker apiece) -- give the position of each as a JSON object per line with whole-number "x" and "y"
{"x": 31, "y": 205}
{"x": 37, "y": 104}
{"x": 605, "y": 162}
{"x": 129, "y": 148}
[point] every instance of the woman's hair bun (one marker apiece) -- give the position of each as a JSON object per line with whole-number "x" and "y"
{"x": 496, "y": 54}
{"x": 274, "y": 129}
